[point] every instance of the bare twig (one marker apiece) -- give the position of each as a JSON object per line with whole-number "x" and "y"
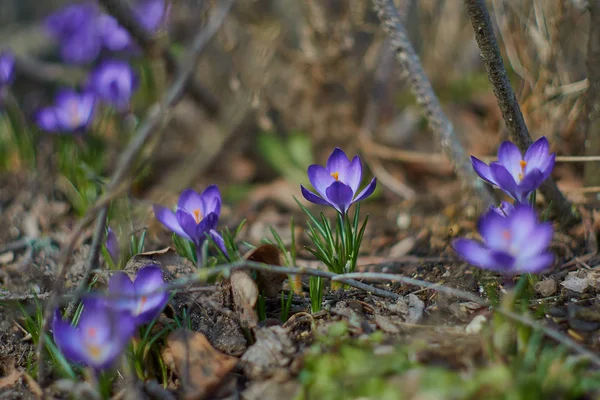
{"x": 93, "y": 257}
{"x": 592, "y": 143}
{"x": 421, "y": 88}
{"x": 546, "y": 330}
{"x": 507, "y": 101}
{"x": 152, "y": 124}
{"x": 126, "y": 17}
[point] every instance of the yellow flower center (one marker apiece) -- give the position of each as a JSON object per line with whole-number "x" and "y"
{"x": 197, "y": 215}
{"x": 335, "y": 175}
{"x": 95, "y": 351}
{"x": 523, "y": 164}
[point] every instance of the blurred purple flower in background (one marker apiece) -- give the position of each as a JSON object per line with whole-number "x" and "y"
{"x": 72, "y": 112}
{"x": 112, "y": 245}
{"x": 7, "y": 65}
{"x": 74, "y": 27}
{"x": 197, "y": 215}
{"x": 142, "y": 297}
{"x": 516, "y": 175}
{"x": 98, "y": 339}
{"x": 512, "y": 244}
{"x": 83, "y": 30}
{"x": 337, "y": 183}
{"x": 114, "y": 82}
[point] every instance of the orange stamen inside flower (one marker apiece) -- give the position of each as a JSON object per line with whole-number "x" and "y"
{"x": 523, "y": 164}
{"x": 74, "y": 112}
{"x": 143, "y": 301}
{"x": 91, "y": 332}
{"x": 335, "y": 175}
{"x": 197, "y": 215}
{"x": 506, "y": 235}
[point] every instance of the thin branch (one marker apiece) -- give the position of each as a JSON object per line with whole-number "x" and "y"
{"x": 507, "y": 101}
{"x": 546, "y": 330}
{"x": 93, "y": 257}
{"x": 151, "y": 46}
{"x": 154, "y": 123}
{"x": 421, "y": 87}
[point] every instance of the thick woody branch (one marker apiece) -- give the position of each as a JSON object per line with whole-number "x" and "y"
{"x": 507, "y": 101}
{"x": 421, "y": 88}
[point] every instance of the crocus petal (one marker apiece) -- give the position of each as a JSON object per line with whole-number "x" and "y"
{"x": 494, "y": 230}
{"x": 504, "y": 209}
{"x": 483, "y": 170}
{"x": 320, "y": 179}
{"x": 150, "y": 300}
{"x": 218, "y": 239}
{"x": 531, "y": 181}
{"x": 46, "y": 119}
{"x": 504, "y": 179}
{"x": 537, "y": 241}
{"x": 521, "y": 223}
{"x": 188, "y": 223}
{"x": 536, "y": 264}
{"x": 67, "y": 338}
{"x": 313, "y": 198}
{"x": 168, "y": 219}
{"x": 211, "y": 198}
{"x": 547, "y": 170}
{"x": 537, "y": 156}
{"x": 353, "y": 176}
{"x": 209, "y": 222}
{"x": 340, "y": 195}
{"x": 367, "y": 191}
{"x": 473, "y": 252}
{"x": 510, "y": 157}
{"x": 503, "y": 262}
{"x": 121, "y": 285}
{"x": 112, "y": 245}
{"x": 190, "y": 200}
{"x": 338, "y": 162}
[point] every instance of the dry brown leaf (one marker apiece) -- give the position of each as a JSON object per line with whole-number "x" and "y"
{"x": 245, "y": 296}
{"x": 11, "y": 378}
{"x": 200, "y": 367}
{"x": 268, "y": 283}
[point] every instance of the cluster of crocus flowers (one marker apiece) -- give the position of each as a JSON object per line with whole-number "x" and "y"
{"x": 83, "y": 30}
{"x": 107, "y": 323}
{"x": 195, "y": 218}
{"x": 338, "y": 182}
{"x": 513, "y": 240}
{"x": 518, "y": 175}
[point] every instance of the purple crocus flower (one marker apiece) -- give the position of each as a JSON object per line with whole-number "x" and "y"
{"x": 142, "y": 298}
{"x": 7, "y": 64}
{"x": 114, "y": 82}
{"x": 197, "y": 215}
{"x": 72, "y": 112}
{"x": 74, "y": 27}
{"x": 100, "y": 336}
{"x": 512, "y": 244}
{"x": 112, "y": 245}
{"x": 518, "y": 176}
{"x": 337, "y": 183}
